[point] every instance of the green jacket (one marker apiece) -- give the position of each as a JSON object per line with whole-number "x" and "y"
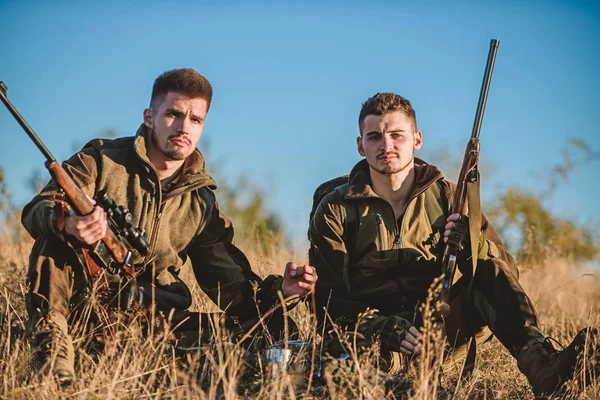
{"x": 183, "y": 223}
{"x": 370, "y": 260}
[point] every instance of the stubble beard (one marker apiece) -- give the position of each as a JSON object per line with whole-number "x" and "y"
{"x": 171, "y": 154}
{"x": 388, "y": 170}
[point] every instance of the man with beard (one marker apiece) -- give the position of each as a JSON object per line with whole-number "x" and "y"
{"x": 377, "y": 242}
{"x": 158, "y": 174}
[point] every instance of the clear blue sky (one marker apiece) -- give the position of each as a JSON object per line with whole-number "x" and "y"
{"x": 289, "y": 81}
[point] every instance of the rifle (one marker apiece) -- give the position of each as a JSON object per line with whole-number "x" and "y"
{"x": 113, "y": 252}
{"x": 467, "y": 189}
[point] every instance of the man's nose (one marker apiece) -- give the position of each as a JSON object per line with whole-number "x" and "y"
{"x": 184, "y": 124}
{"x": 387, "y": 143}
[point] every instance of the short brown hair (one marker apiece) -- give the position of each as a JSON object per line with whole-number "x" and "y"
{"x": 186, "y": 81}
{"x": 383, "y": 103}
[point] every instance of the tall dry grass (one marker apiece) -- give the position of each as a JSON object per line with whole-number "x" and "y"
{"x": 136, "y": 366}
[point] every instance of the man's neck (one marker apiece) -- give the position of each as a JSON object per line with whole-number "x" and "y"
{"x": 165, "y": 167}
{"x": 395, "y": 188}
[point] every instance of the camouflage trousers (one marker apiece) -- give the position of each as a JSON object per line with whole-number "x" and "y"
{"x": 57, "y": 281}
{"x": 492, "y": 302}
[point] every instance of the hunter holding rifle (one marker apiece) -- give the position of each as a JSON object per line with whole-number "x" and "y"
{"x": 377, "y": 241}
{"x": 159, "y": 176}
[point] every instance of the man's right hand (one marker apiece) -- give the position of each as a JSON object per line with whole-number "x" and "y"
{"x": 90, "y": 228}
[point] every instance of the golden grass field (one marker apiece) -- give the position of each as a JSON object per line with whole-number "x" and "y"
{"x": 132, "y": 366}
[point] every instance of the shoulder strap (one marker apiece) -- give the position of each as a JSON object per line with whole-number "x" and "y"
{"x": 350, "y": 219}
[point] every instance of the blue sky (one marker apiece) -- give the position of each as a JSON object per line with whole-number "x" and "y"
{"x": 289, "y": 81}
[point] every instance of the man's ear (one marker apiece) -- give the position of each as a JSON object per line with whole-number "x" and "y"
{"x": 148, "y": 118}
{"x": 359, "y": 144}
{"x": 418, "y": 139}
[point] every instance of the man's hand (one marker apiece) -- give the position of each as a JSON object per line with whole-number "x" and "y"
{"x": 456, "y": 235}
{"x": 396, "y": 334}
{"x": 413, "y": 342}
{"x": 90, "y": 228}
{"x": 298, "y": 280}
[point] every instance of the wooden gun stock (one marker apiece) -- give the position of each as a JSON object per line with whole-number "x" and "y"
{"x": 74, "y": 196}
{"x": 108, "y": 253}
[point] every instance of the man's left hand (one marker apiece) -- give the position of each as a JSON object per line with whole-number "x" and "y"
{"x": 298, "y": 280}
{"x": 456, "y": 234}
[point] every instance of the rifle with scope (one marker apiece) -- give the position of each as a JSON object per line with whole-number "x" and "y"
{"x": 113, "y": 252}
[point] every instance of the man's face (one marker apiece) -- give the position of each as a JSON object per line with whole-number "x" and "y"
{"x": 389, "y": 142}
{"x": 176, "y": 125}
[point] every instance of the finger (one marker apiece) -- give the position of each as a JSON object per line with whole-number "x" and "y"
{"x": 104, "y": 224}
{"x": 309, "y": 269}
{"x": 305, "y": 285}
{"x": 82, "y": 224}
{"x": 449, "y": 225}
{"x": 290, "y": 268}
{"x": 99, "y": 213}
{"x": 91, "y": 235}
{"x": 415, "y": 332}
{"x": 411, "y": 339}
{"x": 407, "y": 346}
{"x": 89, "y": 219}
{"x": 91, "y": 200}
{"x": 453, "y": 217}
{"x": 309, "y": 278}
{"x": 447, "y": 233}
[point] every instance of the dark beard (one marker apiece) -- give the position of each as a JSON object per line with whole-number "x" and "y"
{"x": 389, "y": 171}
{"x": 170, "y": 154}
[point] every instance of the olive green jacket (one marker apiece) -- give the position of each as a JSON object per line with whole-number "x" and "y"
{"x": 183, "y": 223}
{"x": 376, "y": 262}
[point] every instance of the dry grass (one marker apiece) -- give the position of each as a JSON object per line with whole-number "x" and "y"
{"x": 133, "y": 366}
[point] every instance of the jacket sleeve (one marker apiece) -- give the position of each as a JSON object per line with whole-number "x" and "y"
{"x": 328, "y": 254}
{"x": 38, "y": 215}
{"x": 224, "y": 273}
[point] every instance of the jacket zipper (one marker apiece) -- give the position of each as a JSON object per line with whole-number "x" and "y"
{"x": 397, "y": 230}
{"x": 155, "y": 228}
{"x": 144, "y": 214}
{"x": 379, "y": 222}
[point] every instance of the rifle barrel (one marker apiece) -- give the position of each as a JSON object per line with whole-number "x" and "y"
{"x": 485, "y": 86}
{"x": 24, "y": 124}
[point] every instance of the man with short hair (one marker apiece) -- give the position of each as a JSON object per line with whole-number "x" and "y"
{"x": 158, "y": 174}
{"x": 377, "y": 242}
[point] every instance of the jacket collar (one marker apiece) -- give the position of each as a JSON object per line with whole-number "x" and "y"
{"x": 359, "y": 181}
{"x": 193, "y": 173}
